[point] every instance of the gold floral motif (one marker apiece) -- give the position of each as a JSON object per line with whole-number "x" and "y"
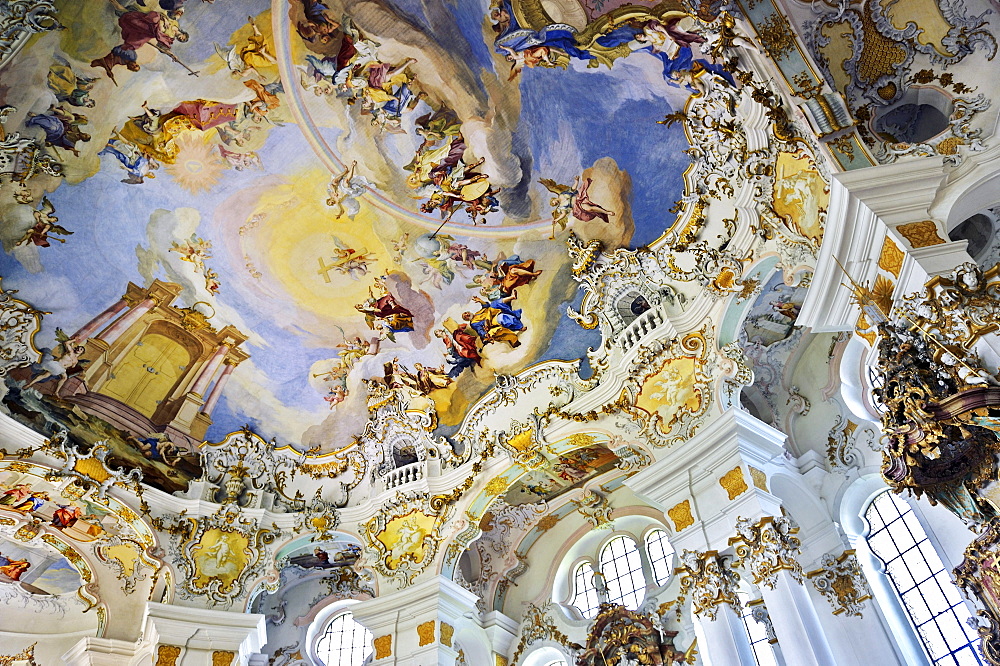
{"x": 580, "y": 439}
{"x": 759, "y": 478}
{"x": 920, "y": 234}
{"x": 776, "y": 36}
{"x": 681, "y": 515}
{"x": 844, "y": 146}
{"x": 500, "y": 660}
{"x": 222, "y": 658}
{"x": 166, "y": 655}
{"x": 949, "y": 146}
{"x": 734, "y": 483}
{"x": 447, "y": 631}
{"x": 546, "y": 523}
{"x": 496, "y": 486}
{"x": 383, "y": 646}
{"x": 425, "y": 632}
{"x": 891, "y": 257}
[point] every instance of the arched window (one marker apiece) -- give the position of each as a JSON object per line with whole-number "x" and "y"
{"x": 661, "y": 555}
{"x": 621, "y": 565}
{"x": 585, "y": 592}
{"x": 344, "y": 642}
{"x": 921, "y": 581}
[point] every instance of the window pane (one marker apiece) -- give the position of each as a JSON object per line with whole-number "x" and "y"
{"x": 763, "y": 651}
{"x": 621, "y": 565}
{"x": 661, "y": 555}
{"x": 585, "y": 593}
{"x": 915, "y": 569}
{"x": 345, "y": 642}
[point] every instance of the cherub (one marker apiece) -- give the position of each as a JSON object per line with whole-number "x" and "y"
{"x": 45, "y": 224}
{"x": 344, "y": 190}
{"x": 346, "y": 261}
{"x": 195, "y": 250}
{"x": 573, "y": 201}
{"x": 212, "y": 283}
{"x": 535, "y": 56}
{"x": 399, "y": 248}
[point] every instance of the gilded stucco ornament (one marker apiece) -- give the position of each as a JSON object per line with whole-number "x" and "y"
{"x": 842, "y": 450}
{"x": 675, "y": 387}
{"x": 128, "y": 558}
{"x": 521, "y": 442}
{"x": 841, "y": 581}
{"x": 594, "y": 507}
{"x": 979, "y": 576}
{"x": 536, "y": 625}
{"x": 25, "y": 656}
{"x": 767, "y": 547}
{"x": 93, "y": 469}
{"x": 18, "y": 324}
{"x": 709, "y": 580}
{"x": 218, "y": 555}
{"x": 244, "y": 465}
{"x": 20, "y": 19}
{"x": 404, "y": 536}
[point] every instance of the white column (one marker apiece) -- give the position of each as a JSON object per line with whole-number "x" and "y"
{"x": 127, "y": 320}
{"x": 796, "y": 624}
{"x": 723, "y": 641}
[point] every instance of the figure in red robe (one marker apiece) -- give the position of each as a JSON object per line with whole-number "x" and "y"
{"x": 139, "y": 29}
{"x": 66, "y": 516}
{"x": 460, "y": 349}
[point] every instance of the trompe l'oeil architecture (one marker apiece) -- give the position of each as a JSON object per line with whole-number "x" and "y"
{"x": 499, "y": 333}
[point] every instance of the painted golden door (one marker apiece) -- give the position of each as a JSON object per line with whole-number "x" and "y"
{"x": 148, "y": 373}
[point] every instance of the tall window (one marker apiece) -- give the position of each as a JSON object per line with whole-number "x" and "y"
{"x": 758, "y": 626}
{"x": 661, "y": 556}
{"x": 585, "y": 592}
{"x": 621, "y": 565}
{"x": 931, "y": 600}
{"x": 344, "y": 642}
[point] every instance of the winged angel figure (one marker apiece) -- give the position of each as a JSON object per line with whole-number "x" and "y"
{"x": 573, "y": 202}
{"x": 45, "y": 224}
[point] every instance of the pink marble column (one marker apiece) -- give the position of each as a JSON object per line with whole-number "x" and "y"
{"x": 98, "y": 322}
{"x": 205, "y": 378}
{"x": 213, "y": 397}
{"x": 131, "y": 317}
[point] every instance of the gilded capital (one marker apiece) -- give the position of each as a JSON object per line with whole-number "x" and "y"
{"x": 710, "y": 581}
{"x": 767, "y": 547}
{"x": 840, "y": 580}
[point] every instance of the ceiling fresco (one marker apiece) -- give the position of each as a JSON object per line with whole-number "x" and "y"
{"x": 294, "y": 202}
